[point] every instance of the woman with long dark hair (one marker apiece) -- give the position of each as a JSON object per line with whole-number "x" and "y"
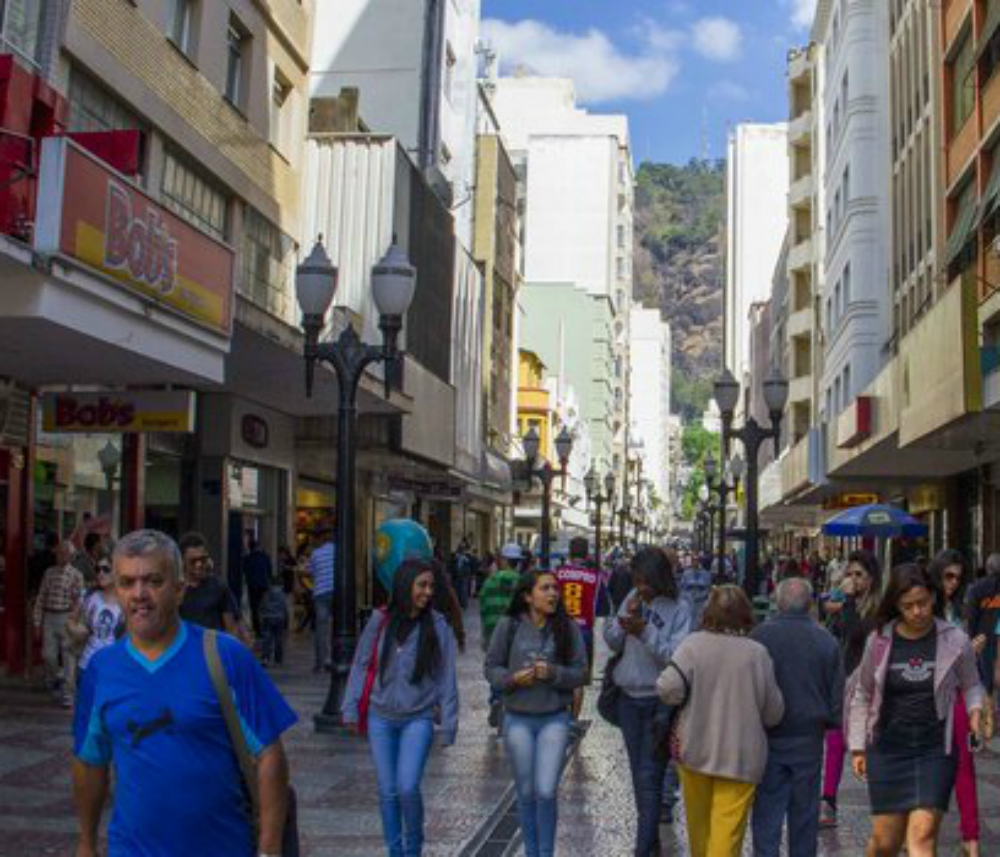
{"x": 404, "y": 672}
{"x": 952, "y": 574}
{"x": 535, "y": 661}
{"x": 851, "y": 621}
{"x": 650, "y": 625}
{"x": 900, "y": 724}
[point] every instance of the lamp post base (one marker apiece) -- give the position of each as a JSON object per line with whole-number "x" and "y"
{"x": 328, "y": 720}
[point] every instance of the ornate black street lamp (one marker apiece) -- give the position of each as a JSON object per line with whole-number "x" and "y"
{"x": 752, "y": 435}
{"x": 594, "y": 495}
{"x": 394, "y": 280}
{"x": 727, "y": 483}
{"x": 546, "y": 474}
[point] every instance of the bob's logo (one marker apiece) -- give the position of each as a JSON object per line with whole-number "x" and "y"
{"x": 144, "y": 249}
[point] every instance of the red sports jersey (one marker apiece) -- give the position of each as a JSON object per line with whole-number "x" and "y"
{"x": 579, "y": 584}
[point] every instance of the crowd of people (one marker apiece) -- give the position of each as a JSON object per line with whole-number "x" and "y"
{"x": 750, "y": 721}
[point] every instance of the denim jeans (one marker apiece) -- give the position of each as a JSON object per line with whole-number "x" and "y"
{"x": 638, "y": 717}
{"x": 536, "y": 746}
{"x": 323, "y": 605}
{"x": 790, "y": 787}
{"x": 400, "y": 750}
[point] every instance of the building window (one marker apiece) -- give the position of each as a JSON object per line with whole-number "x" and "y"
{"x": 847, "y": 286}
{"x": 92, "y": 107}
{"x": 963, "y": 84}
{"x": 281, "y": 110}
{"x": 237, "y": 40}
{"x": 182, "y": 25}
{"x": 193, "y": 197}
{"x": 267, "y": 264}
{"x": 21, "y": 27}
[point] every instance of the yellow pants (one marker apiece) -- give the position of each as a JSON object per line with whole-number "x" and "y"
{"x": 717, "y": 813}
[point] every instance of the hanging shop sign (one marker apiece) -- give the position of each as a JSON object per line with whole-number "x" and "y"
{"x": 89, "y": 212}
{"x": 119, "y": 412}
{"x": 849, "y": 501}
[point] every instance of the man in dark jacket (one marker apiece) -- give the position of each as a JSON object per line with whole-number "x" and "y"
{"x": 982, "y": 610}
{"x": 808, "y": 670}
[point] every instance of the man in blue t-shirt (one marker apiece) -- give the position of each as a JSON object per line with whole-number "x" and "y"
{"x": 147, "y": 705}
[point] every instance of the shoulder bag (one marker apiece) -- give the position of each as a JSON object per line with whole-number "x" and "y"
{"x": 246, "y": 760}
{"x": 371, "y": 673}
{"x": 610, "y": 693}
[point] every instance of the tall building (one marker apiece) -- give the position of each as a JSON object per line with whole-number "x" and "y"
{"x": 756, "y": 217}
{"x": 649, "y": 406}
{"x": 576, "y": 172}
{"x": 150, "y": 203}
{"x": 856, "y": 295}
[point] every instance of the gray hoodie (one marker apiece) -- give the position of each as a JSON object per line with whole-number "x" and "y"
{"x": 398, "y": 698}
{"x": 667, "y": 624}
{"x": 529, "y": 644}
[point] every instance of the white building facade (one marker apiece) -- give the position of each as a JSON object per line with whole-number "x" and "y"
{"x": 649, "y": 402}
{"x": 756, "y": 220}
{"x": 855, "y": 291}
{"x": 577, "y": 175}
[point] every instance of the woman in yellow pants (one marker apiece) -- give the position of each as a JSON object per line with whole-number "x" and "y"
{"x": 725, "y": 681}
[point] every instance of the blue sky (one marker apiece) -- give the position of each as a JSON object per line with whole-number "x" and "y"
{"x": 682, "y": 70}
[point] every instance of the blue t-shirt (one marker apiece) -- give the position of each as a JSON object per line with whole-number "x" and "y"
{"x": 178, "y": 788}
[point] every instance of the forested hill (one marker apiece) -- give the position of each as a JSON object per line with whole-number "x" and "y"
{"x": 679, "y": 219}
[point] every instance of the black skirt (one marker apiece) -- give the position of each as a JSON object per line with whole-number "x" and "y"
{"x": 908, "y": 772}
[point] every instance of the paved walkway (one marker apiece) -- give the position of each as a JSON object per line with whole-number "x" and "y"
{"x": 463, "y": 787}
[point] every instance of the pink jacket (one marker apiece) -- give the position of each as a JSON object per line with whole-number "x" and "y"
{"x": 955, "y": 671}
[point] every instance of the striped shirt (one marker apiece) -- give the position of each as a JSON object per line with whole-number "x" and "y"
{"x": 61, "y": 589}
{"x": 321, "y": 568}
{"x": 494, "y": 599}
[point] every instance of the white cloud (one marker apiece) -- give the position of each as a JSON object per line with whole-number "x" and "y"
{"x": 600, "y": 71}
{"x": 728, "y": 90}
{"x": 803, "y": 13}
{"x": 717, "y": 39}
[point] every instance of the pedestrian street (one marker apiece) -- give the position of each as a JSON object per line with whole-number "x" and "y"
{"x": 465, "y": 788}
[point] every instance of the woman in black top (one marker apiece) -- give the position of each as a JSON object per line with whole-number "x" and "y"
{"x": 901, "y": 714}
{"x": 851, "y": 621}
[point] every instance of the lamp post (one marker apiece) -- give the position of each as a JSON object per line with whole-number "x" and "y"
{"x": 546, "y": 474}
{"x": 594, "y": 495}
{"x": 393, "y": 284}
{"x": 752, "y": 435}
{"x": 110, "y": 458}
{"x": 727, "y": 483}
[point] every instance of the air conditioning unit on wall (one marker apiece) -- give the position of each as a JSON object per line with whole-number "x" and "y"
{"x": 15, "y": 415}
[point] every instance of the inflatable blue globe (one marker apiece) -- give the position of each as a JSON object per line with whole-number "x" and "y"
{"x": 397, "y": 540}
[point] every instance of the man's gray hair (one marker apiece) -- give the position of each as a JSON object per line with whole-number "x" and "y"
{"x": 795, "y": 595}
{"x": 147, "y": 542}
{"x": 993, "y": 564}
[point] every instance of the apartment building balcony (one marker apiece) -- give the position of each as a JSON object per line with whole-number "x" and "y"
{"x": 800, "y": 323}
{"x": 795, "y": 469}
{"x": 800, "y": 128}
{"x": 800, "y": 194}
{"x": 799, "y": 65}
{"x": 991, "y": 101}
{"x": 801, "y": 255}
{"x": 800, "y": 389}
{"x": 955, "y": 14}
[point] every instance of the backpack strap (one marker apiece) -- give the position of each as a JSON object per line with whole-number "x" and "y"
{"x": 512, "y": 627}
{"x": 247, "y": 763}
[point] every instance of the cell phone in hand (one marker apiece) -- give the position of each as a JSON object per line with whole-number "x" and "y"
{"x": 975, "y": 743}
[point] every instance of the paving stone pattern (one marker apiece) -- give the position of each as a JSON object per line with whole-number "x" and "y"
{"x": 335, "y": 780}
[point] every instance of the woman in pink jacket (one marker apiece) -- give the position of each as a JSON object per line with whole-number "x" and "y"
{"x": 900, "y": 730}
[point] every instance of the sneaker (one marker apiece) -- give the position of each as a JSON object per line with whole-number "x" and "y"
{"x": 67, "y": 701}
{"x": 827, "y": 814}
{"x": 495, "y": 711}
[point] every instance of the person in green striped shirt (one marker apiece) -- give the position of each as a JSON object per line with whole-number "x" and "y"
{"x": 494, "y": 599}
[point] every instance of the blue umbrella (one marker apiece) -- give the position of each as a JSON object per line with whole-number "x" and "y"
{"x": 875, "y": 520}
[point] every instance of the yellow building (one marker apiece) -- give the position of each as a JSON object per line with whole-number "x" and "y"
{"x": 534, "y": 401}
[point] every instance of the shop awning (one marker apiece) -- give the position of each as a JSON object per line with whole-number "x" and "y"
{"x": 963, "y": 230}
{"x": 991, "y": 196}
{"x": 989, "y": 29}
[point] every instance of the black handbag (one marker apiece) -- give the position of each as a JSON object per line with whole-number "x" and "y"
{"x": 607, "y": 699}
{"x": 247, "y": 764}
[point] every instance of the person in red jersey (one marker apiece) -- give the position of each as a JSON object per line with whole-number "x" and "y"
{"x": 580, "y": 582}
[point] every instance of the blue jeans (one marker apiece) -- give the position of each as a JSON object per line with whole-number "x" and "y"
{"x": 400, "y": 750}
{"x": 638, "y": 718}
{"x": 790, "y": 787}
{"x": 323, "y": 605}
{"x": 536, "y": 745}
